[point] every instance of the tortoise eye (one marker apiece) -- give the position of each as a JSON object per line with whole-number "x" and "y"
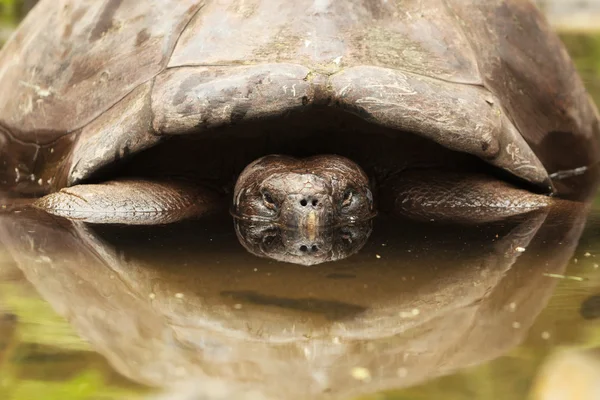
{"x": 268, "y": 200}
{"x": 346, "y": 236}
{"x": 348, "y": 195}
{"x": 268, "y": 240}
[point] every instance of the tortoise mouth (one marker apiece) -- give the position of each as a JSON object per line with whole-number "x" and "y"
{"x": 217, "y": 156}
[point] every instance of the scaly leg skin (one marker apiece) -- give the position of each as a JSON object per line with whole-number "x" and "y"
{"x": 131, "y": 202}
{"x": 457, "y": 197}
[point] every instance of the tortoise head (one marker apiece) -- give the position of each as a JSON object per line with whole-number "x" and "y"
{"x": 310, "y": 193}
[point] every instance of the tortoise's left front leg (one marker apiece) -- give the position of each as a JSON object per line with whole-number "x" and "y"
{"x": 456, "y": 197}
{"x": 132, "y": 202}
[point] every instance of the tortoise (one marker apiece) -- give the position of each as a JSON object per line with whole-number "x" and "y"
{"x": 144, "y": 112}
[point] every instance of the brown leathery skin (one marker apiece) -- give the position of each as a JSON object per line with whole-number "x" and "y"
{"x": 307, "y": 197}
{"x": 458, "y": 197}
{"x": 131, "y": 202}
{"x": 307, "y": 194}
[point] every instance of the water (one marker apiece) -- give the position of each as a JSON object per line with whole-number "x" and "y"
{"x": 424, "y": 310}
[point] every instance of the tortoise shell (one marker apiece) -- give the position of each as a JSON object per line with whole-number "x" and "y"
{"x": 87, "y": 84}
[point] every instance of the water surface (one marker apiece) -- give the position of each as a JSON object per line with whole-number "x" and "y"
{"x": 423, "y": 310}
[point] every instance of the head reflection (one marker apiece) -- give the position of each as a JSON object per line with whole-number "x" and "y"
{"x": 297, "y": 246}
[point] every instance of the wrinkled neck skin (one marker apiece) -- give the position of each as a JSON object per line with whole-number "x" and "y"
{"x": 308, "y": 194}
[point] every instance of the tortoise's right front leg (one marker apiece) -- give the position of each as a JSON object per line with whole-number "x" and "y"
{"x": 132, "y": 202}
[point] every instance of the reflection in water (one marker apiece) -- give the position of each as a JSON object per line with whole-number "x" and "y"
{"x": 570, "y": 374}
{"x": 266, "y": 239}
{"x": 590, "y": 309}
{"x": 170, "y": 305}
{"x": 8, "y": 324}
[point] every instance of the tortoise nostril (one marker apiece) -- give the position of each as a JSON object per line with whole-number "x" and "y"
{"x": 312, "y": 249}
{"x": 315, "y": 202}
{"x": 303, "y": 202}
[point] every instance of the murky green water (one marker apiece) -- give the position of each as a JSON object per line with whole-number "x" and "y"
{"x": 442, "y": 311}
{"x": 424, "y": 311}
